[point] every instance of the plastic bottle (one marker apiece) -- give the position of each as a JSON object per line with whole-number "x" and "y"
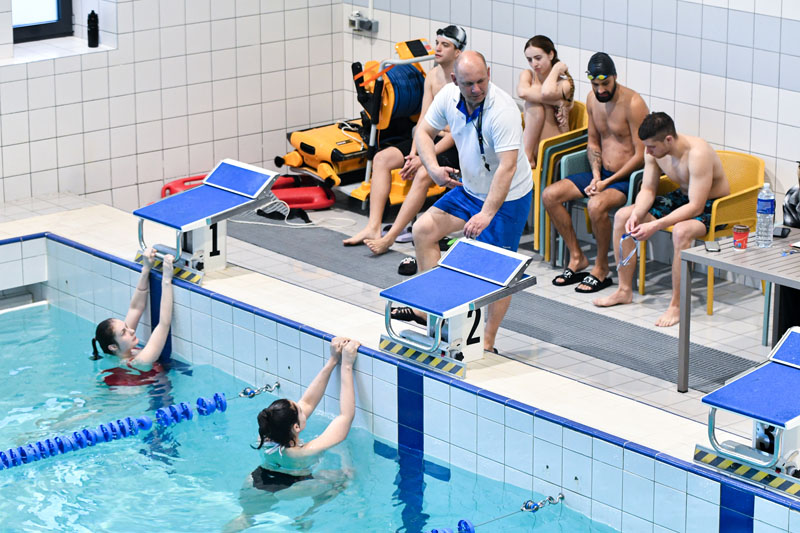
{"x": 766, "y": 217}
{"x": 93, "y": 30}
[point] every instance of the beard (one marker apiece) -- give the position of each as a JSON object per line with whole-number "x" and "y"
{"x": 606, "y": 97}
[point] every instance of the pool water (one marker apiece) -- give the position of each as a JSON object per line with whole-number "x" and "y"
{"x": 191, "y": 476}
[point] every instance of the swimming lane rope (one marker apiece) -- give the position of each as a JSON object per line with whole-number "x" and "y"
{"x": 529, "y": 506}
{"x": 114, "y": 430}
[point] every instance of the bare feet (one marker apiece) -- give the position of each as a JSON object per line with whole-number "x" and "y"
{"x": 619, "y": 297}
{"x": 670, "y": 317}
{"x": 361, "y": 236}
{"x": 379, "y": 246}
{"x": 596, "y": 272}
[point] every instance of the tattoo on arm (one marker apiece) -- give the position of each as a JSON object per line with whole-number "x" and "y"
{"x": 595, "y": 160}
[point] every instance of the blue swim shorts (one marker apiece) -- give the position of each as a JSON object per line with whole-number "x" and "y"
{"x": 583, "y": 180}
{"x": 508, "y": 223}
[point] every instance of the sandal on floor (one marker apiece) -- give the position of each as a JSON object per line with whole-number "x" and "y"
{"x": 594, "y": 283}
{"x": 407, "y": 267}
{"x": 406, "y": 314}
{"x": 569, "y": 277}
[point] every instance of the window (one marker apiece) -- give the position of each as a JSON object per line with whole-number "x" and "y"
{"x": 41, "y": 19}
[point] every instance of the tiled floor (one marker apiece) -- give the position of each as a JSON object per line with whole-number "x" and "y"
{"x": 735, "y": 327}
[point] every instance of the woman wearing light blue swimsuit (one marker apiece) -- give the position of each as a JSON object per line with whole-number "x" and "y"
{"x": 286, "y": 461}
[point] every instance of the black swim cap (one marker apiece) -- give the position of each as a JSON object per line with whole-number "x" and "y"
{"x": 601, "y": 64}
{"x": 454, "y": 34}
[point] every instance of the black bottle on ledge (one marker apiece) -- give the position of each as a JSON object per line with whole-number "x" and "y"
{"x": 93, "y": 32}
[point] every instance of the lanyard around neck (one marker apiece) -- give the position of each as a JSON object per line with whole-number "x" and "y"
{"x": 478, "y": 125}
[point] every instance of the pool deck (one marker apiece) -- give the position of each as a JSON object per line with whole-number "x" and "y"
{"x": 614, "y": 399}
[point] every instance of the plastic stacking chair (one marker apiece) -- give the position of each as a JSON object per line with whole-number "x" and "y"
{"x": 745, "y": 174}
{"x": 550, "y": 150}
{"x": 576, "y": 163}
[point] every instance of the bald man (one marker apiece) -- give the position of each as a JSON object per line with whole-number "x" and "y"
{"x": 492, "y": 199}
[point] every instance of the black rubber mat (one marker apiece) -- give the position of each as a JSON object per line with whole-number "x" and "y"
{"x": 587, "y": 332}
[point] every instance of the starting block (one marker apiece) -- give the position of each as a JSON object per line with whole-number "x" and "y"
{"x": 199, "y": 216}
{"x": 767, "y": 395}
{"x": 453, "y": 294}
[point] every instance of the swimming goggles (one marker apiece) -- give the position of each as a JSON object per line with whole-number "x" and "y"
{"x": 627, "y": 259}
{"x": 456, "y": 36}
{"x": 599, "y": 77}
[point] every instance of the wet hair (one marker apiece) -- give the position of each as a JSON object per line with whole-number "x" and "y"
{"x": 545, "y": 44}
{"x": 657, "y": 126}
{"x": 104, "y": 336}
{"x": 275, "y": 423}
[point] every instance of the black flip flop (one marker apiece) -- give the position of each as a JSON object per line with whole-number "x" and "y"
{"x": 594, "y": 283}
{"x": 407, "y": 267}
{"x": 406, "y": 314}
{"x": 570, "y": 277}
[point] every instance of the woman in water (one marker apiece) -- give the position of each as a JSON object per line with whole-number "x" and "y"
{"x": 118, "y": 338}
{"x": 548, "y": 91}
{"x": 287, "y": 463}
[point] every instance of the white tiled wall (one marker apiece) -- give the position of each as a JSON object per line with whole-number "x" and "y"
{"x": 22, "y": 263}
{"x": 190, "y": 82}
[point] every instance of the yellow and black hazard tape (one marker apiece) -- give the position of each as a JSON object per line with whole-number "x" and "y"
{"x": 442, "y": 364}
{"x": 768, "y": 480}
{"x": 192, "y": 276}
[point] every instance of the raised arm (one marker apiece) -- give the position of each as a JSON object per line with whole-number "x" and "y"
{"x": 139, "y": 298}
{"x": 316, "y": 389}
{"x": 557, "y": 89}
{"x": 339, "y": 427}
{"x": 158, "y": 338}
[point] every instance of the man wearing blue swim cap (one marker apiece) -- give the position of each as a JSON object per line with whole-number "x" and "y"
{"x": 614, "y": 152}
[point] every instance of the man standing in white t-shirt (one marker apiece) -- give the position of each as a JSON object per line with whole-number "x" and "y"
{"x": 492, "y": 201}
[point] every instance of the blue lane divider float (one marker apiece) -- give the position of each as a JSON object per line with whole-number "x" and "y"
{"x": 114, "y": 430}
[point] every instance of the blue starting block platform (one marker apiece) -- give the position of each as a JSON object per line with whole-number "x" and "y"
{"x": 768, "y": 396}
{"x": 452, "y": 295}
{"x": 199, "y": 215}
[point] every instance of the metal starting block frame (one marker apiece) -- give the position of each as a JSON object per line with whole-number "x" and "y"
{"x": 199, "y": 216}
{"x": 767, "y": 395}
{"x": 452, "y": 295}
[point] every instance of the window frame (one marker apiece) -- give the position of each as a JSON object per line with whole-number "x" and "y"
{"x": 63, "y": 27}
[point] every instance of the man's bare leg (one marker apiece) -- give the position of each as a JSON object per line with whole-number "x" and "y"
{"x": 624, "y": 292}
{"x": 380, "y": 184}
{"x": 599, "y": 207}
{"x": 553, "y": 198}
{"x": 428, "y": 230}
{"x": 411, "y": 206}
{"x": 683, "y": 236}
{"x": 494, "y": 317}
{"x": 531, "y": 135}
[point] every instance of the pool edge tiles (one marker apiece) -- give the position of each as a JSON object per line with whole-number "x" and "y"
{"x": 611, "y": 480}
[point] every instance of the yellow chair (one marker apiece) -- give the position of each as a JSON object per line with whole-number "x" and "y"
{"x": 548, "y": 154}
{"x": 745, "y": 174}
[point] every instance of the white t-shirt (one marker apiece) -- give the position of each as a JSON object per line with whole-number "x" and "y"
{"x": 501, "y": 125}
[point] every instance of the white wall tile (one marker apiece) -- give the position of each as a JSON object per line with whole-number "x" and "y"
{"x": 96, "y": 115}
{"x": 15, "y": 128}
{"x": 14, "y": 96}
{"x": 712, "y": 92}
{"x": 16, "y": 160}
{"x": 687, "y": 86}
{"x": 42, "y": 123}
{"x": 738, "y": 95}
{"x": 737, "y": 132}
{"x": 41, "y": 93}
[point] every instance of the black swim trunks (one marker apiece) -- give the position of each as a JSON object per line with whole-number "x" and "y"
{"x": 664, "y": 205}
{"x": 270, "y": 481}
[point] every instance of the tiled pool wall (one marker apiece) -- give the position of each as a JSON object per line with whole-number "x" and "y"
{"x": 616, "y": 482}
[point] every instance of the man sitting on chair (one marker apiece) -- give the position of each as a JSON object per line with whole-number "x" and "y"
{"x": 614, "y": 152}
{"x": 450, "y": 41}
{"x": 697, "y": 170}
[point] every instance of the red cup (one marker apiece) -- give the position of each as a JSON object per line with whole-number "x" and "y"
{"x": 740, "y": 234}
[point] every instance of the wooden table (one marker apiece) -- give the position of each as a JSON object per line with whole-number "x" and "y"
{"x": 766, "y": 264}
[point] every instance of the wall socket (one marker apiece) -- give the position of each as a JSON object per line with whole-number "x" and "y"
{"x": 359, "y": 22}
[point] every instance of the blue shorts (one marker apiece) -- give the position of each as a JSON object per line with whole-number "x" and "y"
{"x": 508, "y": 223}
{"x": 583, "y": 180}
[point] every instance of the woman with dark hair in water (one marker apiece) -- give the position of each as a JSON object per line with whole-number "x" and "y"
{"x": 548, "y": 91}
{"x": 118, "y": 338}
{"x": 287, "y": 463}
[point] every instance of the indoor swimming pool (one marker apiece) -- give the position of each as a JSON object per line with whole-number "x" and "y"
{"x": 191, "y": 475}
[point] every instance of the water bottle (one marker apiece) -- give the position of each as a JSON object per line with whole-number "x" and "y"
{"x": 766, "y": 217}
